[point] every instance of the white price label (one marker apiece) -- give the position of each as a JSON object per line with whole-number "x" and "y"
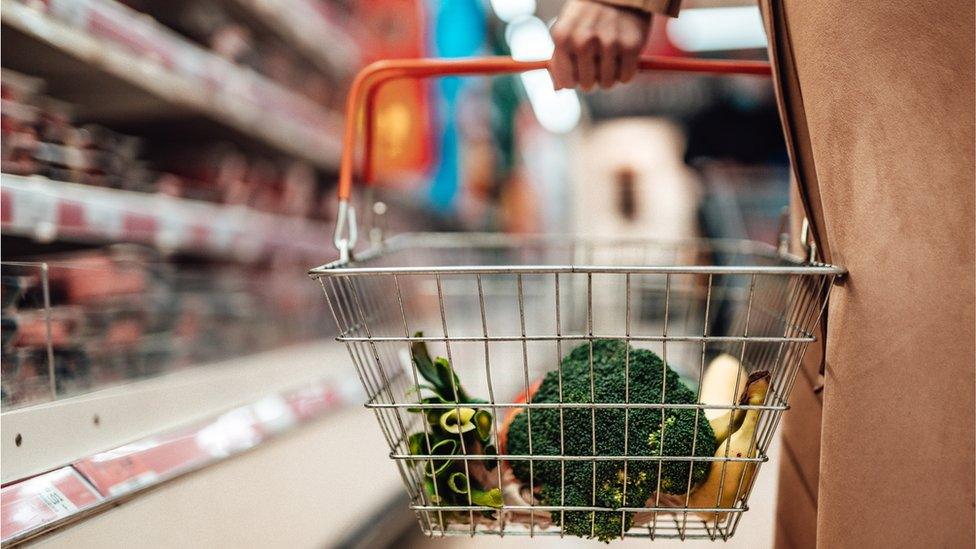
{"x": 131, "y": 485}
{"x": 36, "y": 212}
{"x": 172, "y": 233}
{"x": 224, "y": 228}
{"x": 104, "y": 218}
{"x": 56, "y": 501}
{"x": 273, "y": 413}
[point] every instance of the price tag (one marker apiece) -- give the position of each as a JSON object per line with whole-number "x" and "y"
{"x": 224, "y": 228}
{"x": 71, "y": 217}
{"x": 198, "y": 236}
{"x": 36, "y": 211}
{"x": 131, "y": 467}
{"x": 143, "y": 479}
{"x": 313, "y": 401}
{"x": 173, "y": 233}
{"x": 273, "y": 414}
{"x": 46, "y": 498}
{"x": 56, "y": 501}
{"x": 111, "y": 469}
{"x": 104, "y": 218}
{"x": 139, "y": 227}
{"x": 232, "y": 432}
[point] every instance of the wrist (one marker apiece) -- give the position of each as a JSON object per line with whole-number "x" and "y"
{"x": 661, "y": 7}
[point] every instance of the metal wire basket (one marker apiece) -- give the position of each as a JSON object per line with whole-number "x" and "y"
{"x": 501, "y": 312}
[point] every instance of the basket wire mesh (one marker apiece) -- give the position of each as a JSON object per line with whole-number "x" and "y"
{"x": 499, "y": 312}
{"x": 504, "y": 310}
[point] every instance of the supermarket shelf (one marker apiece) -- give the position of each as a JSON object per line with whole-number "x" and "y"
{"x": 46, "y": 210}
{"x": 44, "y": 501}
{"x": 171, "y": 424}
{"x": 117, "y": 64}
{"x": 63, "y": 431}
{"x": 69, "y": 493}
{"x": 307, "y": 29}
{"x": 314, "y": 487}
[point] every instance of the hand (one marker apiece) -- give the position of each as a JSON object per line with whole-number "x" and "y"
{"x": 596, "y": 43}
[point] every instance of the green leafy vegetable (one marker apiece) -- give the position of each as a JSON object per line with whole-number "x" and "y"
{"x": 454, "y": 427}
{"x": 483, "y": 420}
{"x": 458, "y": 482}
{"x": 489, "y": 498}
{"x": 446, "y": 447}
{"x": 417, "y": 444}
{"x": 458, "y": 420}
{"x": 435, "y": 498}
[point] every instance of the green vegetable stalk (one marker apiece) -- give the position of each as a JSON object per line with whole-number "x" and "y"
{"x": 453, "y": 430}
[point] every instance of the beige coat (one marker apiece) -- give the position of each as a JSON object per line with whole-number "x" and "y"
{"x": 877, "y": 101}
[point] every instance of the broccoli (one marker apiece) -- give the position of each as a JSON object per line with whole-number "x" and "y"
{"x": 644, "y": 437}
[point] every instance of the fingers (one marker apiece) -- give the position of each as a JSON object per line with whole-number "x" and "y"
{"x": 596, "y": 44}
{"x": 630, "y": 48}
{"x": 609, "y": 60}
{"x": 628, "y": 67}
{"x": 562, "y": 68}
{"x": 586, "y": 61}
{"x": 576, "y": 60}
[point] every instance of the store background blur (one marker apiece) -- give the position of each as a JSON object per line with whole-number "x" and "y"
{"x": 168, "y": 177}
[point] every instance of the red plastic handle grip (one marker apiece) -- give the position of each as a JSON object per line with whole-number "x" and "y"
{"x": 369, "y": 80}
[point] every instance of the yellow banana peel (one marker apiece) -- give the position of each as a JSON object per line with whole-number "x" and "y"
{"x": 727, "y": 481}
{"x": 723, "y": 382}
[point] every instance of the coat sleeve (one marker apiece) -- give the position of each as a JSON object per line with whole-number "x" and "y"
{"x": 663, "y": 7}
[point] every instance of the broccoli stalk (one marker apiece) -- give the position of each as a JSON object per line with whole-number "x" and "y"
{"x": 647, "y": 435}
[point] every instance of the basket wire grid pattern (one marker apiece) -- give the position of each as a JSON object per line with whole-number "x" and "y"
{"x": 504, "y": 310}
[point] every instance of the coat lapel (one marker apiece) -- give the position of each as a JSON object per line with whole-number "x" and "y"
{"x": 790, "y": 103}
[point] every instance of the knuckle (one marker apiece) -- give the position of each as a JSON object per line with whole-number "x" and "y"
{"x": 561, "y": 36}
{"x": 583, "y": 40}
{"x": 610, "y": 43}
{"x": 630, "y": 42}
{"x": 609, "y": 39}
{"x": 630, "y": 47}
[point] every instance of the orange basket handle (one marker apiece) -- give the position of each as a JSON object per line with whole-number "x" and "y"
{"x": 370, "y": 79}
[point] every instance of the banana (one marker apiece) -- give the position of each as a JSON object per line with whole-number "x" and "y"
{"x": 727, "y": 423}
{"x": 724, "y": 380}
{"x": 723, "y": 490}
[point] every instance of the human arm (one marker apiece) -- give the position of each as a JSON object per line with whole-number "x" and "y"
{"x": 599, "y": 41}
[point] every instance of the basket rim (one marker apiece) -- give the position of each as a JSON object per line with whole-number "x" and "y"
{"x": 345, "y": 267}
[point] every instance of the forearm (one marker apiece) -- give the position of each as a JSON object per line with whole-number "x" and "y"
{"x": 662, "y": 7}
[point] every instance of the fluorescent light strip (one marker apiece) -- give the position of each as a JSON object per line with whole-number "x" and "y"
{"x": 716, "y": 29}
{"x": 510, "y": 10}
{"x": 557, "y": 111}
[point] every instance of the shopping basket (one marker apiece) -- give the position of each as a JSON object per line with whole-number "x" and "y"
{"x": 518, "y": 380}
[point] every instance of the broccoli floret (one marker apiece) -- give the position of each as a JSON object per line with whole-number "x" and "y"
{"x": 644, "y": 427}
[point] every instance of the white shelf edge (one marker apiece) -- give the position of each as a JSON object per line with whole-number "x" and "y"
{"x": 236, "y": 232}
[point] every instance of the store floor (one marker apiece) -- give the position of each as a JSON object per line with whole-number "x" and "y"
{"x": 755, "y": 530}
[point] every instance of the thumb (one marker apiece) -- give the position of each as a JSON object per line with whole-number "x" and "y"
{"x": 561, "y": 69}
